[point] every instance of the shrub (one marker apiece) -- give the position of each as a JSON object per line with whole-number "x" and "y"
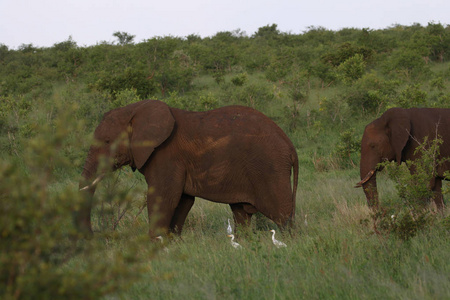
{"x": 352, "y": 69}
{"x": 369, "y": 93}
{"x": 348, "y": 144}
{"x": 41, "y": 254}
{"x": 411, "y": 96}
{"x": 410, "y": 216}
{"x": 125, "y": 97}
{"x": 239, "y": 80}
{"x": 407, "y": 63}
{"x": 130, "y": 78}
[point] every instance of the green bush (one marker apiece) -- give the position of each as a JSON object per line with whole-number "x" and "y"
{"x": 411, "y": 96}
{"x": 411, "y": 215}
{"x": 369, "y": 93}
{"x": 351, "y": 69}
{"x": 41, "y": 254}
{"x": 407, "y": 64}
{"x": 239, "y": 80}
{"x": 130, "y": 78}
{"x": 347, "y": 146}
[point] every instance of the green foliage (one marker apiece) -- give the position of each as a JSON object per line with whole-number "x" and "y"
{"x": 403, "y": 222}
{"x": 41, "y": 254}
{"x": 253, "y": 94}
{"x": 413, "y": 188}
{"x": 208, "y": 102}
{"x": 239, "y": 80}
{"x": 175, "y": 74}
{"x": 219, "y": 76}
{"x": 343, "y": 246}
{"x": 345, "y": 52}
{"x": 352, "y": 69}
{"x": 411, "y": 96}
{"x": 125, "y": 97}
{"x": 407, "y": 64}
{"x": 124, "y": 37}
{"x": 333, "y": 107}
{"x": 412, "y": 216}
{"x": 127, "y": 79}
{"x": 369, "y": 93}
{"x": 348, "y": 145}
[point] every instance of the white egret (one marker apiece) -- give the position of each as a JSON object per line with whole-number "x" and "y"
{"x": 162, "y": 242}
{"x": 229, "y": 229}
{"x": 277, "y": 243}
{"x": 233, "y": 243}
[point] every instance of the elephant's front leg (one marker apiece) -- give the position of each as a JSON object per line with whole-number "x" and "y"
{"x": 438, "y": 198}
{"x": 162, "y": 203}
{"x": 180, "y": 214}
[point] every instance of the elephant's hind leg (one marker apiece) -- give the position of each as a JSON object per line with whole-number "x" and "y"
{"x": 180, "y": 214}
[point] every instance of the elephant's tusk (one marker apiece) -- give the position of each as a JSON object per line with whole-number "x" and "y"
{"x": 94, "y": 183}
{"x": 368, "y": 176}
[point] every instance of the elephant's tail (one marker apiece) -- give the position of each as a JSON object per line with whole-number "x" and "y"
{"x": 294, "y": 158}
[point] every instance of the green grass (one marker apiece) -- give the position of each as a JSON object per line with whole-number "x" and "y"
{"x": 335, "y": 256}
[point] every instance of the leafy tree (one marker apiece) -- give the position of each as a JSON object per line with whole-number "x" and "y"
{"x": 130, "y": 78}
{"x": 267, "y": 32}
{"x": 411, "y": 96}
{"x": 124, "y": 38}
{"x": 176, "y": 73}
{"x": 439, "y": 41}
{"x": 346, "y": 51}
{"x": 407, "y": 63}
{"x": 369, "y": 93}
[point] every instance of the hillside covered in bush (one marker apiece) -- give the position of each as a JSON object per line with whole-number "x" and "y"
{"x": 320, "y": 86}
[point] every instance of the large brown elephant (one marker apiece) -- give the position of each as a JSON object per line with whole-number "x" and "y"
{"x": 394, "y": 137}
{"x": 234, "y": 155}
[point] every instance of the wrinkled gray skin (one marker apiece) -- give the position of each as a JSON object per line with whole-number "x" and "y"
{"x": 234, "y": 155}
{"x": 394, "y": 137}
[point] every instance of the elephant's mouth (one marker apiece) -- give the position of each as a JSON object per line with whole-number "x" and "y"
{"x": 365, "y": 179}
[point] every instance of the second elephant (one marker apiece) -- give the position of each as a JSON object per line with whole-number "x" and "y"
{"x": 234, "y": 155}
{"x": 394, "y": 137}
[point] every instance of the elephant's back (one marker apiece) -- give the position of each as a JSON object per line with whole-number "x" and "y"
{"x": 234, "y": 121}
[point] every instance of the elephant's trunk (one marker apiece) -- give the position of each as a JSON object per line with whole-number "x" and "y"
{"x": 369, "y": 183}
{"x": 370, "y": 189}
{"x": 87, "y": 186}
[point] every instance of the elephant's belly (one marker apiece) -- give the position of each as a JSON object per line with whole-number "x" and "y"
{"x": 219, "y": 189}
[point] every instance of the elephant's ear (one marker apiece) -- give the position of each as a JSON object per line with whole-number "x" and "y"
{"x": 151, "y": 125}
{"x": 400, "y": 131}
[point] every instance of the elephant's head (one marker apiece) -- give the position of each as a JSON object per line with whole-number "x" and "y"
{"x": 384, "y": 140}
{"x": 125, "y": 136}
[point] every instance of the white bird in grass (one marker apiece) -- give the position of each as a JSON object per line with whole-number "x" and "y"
{"x": 162, "y": 242}
{"x": 277, "y": 243}
{"x": 233, "y": 243}
{"x": 229, "y": 229}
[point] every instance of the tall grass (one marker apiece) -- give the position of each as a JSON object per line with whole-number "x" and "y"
{"x": 334, "y": 256}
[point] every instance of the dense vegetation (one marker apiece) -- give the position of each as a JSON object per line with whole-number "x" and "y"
{"x": 320, "y": 86}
